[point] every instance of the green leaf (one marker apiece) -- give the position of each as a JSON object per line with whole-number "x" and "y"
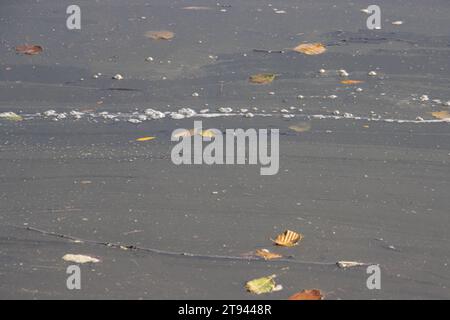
{"x": 262, "y": 285}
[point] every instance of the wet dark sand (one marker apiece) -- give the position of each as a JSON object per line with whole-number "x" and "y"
{"x": 374, "y": 192}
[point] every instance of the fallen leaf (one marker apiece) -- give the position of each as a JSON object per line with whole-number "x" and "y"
{"x": 160, "y": 35}
{"x": 349, "y": 264}
{"x": 351, "y": 81}
{"x": 145, "y": 139}
{"x": 310, "y": 48}
{"x": 443, "y": 115}
{"x": 79, "y": 258}
{"x": 267, "y": 255}
{"x": 301, "y": 127}
{"x": 207, "y": 133}
{"x": 11, "y": 116}
{"x": 263, "y": 285}
{"x": 313, "y": 294}
{"x": 29, "y": 49}
{"x": 262, "y": 78}
{"x": 288, "y": 238}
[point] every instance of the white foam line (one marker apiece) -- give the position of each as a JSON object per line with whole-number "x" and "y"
{"x": 136, "y": 116}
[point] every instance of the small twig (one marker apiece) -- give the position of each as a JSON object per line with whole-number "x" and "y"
{"x": 168, "y": 253}
{"x": 268, "y": 51}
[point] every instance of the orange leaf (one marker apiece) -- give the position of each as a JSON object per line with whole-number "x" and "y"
{"x": 160, "y": 35}
{"x": 29, "y": 49}
{"x": 267, "y": 255}
{"x": 288, "y": 239}
{"x": 351, "y": 81}
{"x": 313, "y": 294}
{"x": 443, "y": 115}
{"x": 310, "y": 48}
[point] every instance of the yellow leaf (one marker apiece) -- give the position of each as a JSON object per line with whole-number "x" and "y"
{"x": 11, "y": 116}
{"x": 160, "y": 35}
{"x": 267, "y": 255}
{"x": 443, "y": 115}
{"x": 145, "y": 139}
{"x": 311, "y": 48}
{"x": 351, "y": 81}
{"x": 313, "y": 294}
{"x": 301, "y": 127}
{"x": 262, "y": 78}
{"x": 288, "y": 238}
{"x": 262, "y": 285}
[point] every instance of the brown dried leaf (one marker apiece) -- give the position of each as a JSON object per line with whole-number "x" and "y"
{"x": 29, "y": 49}
{"x": 313, "y": 294}
{"x": 351, "y": 81}
{"x": 442, "y": 115}
{"x": 160, "y": 35}
{"x": 311, "y": 48}
{"x": 288, "y": 238}
{"x": 267, "y": 255}
{"x": 262, "y": 78}
{"x": 301, "y": 127}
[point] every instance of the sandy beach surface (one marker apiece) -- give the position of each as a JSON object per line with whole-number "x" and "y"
{"x": 364, "y": 168}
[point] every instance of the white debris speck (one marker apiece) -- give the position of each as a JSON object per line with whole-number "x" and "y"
{"x": 195, "y": 94}
{"x": 322, "y": 71}
{"x": 176, "y": 116}
{"x": 372, "y": 73}
{"x": 397, "y": 23}
{"x": 204, "y": 110}
{"x": 142, "y": 117}
{"x": 271, "y": 93}
{"x": 76, "y": 114}
{"x": 300, "y": 96}
{"x": 135, "y": 121}
{"x": 50, "y": 113}
{"x": 149, "y": 59}
{"x": 95, "y": 76}
{"x": 359, "y": 89}
{"x": 424, "y": 97}
{"x": 419, "y": 119}
{"x": 61, "y": 116}
{"x": 284, "y": 111}
{"x": 446, "y": 103}
{"x": 79, "y": 258}
{"x": 187, "y": 112}
{"x": 348, "y": 115}
{"x": 249, "y": 115}
{"x": 365, "y": 10}
{"x": 343, "y": 73}
{"x": 118, "y": 77}
{"x": 154, "y": 114}
{"x": 336, "y": 112}
{"x": 333, "y": 96}
{"x": 244, "y": 110}
{"x": 280, "y": 11}
{"x": 225, "y": 110}
{"x": 349, "y": 264}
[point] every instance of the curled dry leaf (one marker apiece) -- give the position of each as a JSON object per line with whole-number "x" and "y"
{"x": 11, "y": 116}
{"x": 160, "y": 35}
{"x": 262, "y": 78}
{"x": 145, "y": 139}
{"x": 311, "y": 48}
{"x": 351, "y": 81}
{"x": 263, "y": 285}
{"x": 442, "y": 115}
{"x": 349, "y": 264}
{"x": 288, "y": 238}
{"x": 29, "y": 49}
{"x": 301, "y": 127}
{"x": 79, "y": 258}
{"x": 313, "y": 294}
{"x": 267, "y": 255}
